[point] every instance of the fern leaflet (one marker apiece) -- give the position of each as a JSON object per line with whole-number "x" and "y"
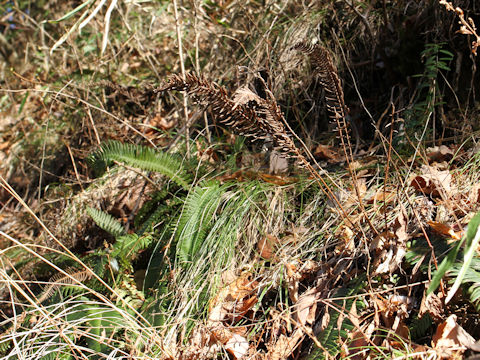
{"x": 141, "y": 157}
{"x": 200, "y": 206}
{"x": 106, "y": 222}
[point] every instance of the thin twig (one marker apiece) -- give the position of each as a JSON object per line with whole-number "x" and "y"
{"x": 182, "y": 67}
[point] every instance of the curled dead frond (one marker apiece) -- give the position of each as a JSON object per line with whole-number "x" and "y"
{"x": 327, "y": 73}
{"x": 74, "y": 277}
{"x": 245, "y": 112}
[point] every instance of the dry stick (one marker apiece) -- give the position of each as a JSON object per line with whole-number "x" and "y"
{"x": 198, "y": 6}
{"x": 73, "y": 163}
{"x": 182, "y": 67}
{"x": 95, "y": 131}
{"x": 389, "y": 159}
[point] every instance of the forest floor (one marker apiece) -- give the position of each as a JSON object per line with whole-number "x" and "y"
{"x": 239, "y": 180}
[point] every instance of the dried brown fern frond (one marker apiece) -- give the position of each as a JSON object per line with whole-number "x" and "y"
{"x": 245, "y": 112}
{"x": 327, "y": 73}
{"x": 73, "y": 277}
{"x": 252, "y": 116}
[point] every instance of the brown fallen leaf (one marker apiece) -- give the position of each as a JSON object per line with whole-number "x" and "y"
{"x": 284, "y": 346}
{"x": 295, "y": 272}
{"x": 433, "y": 182}
{"x": 160, "y": 122}
{"x": 450, "y": 338}
{"x": 434, "y": 306}
{"x": 444, "y": 229}
{"x": 394, "y": 251}
{"x": 382, "y": 196}
{"x": 237, "y": 346}
{"x": 439, "y": 153}
{"x": 325, "y": 152}
{"x": 306, "y": 307}
{"x": 347, "y": 239}
{"x": 266, "y": 246}
{"x": 234, "y": 300}
{"x": 358, "y": 346}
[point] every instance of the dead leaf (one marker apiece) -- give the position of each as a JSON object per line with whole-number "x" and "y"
{"x": 161, "y": 122}
{"x": 433, "y": 182}
{"x": 347, "y": 239}
{"x": 237, "y": 346}
{"x": 444, "y": 229}
{"x": 277, "y": 180}
{"x": 451, "y": 338}
{"x": 325, "y": 152}
{"x": 295, "y": 272}
{"x": 234, "y": 300}
{"x": 434, "y": 306}
{"x": 284, "y": 346}
{"x": 383, "y": 196}
{"x": 357, "y": 348}
{"x": 266, "y": 246}
{"x": 439, "y": 153}
{"x": 393, "y": 253}
{"x": 306, "y": 307}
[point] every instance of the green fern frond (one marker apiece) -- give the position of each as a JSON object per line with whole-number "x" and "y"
{"x": 149, "y": 206}
{"x": 331, "y": 335}
{"x": 106, "y": 222}
{"x": 159, "y": 208}
{"x": 141, "y": 157}
{"x": 420, "y": 326}
{"x": 128, "y": 245}
{"x": 200, "y": 206}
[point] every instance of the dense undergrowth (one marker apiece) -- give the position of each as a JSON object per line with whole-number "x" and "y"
{"x": 139, "y": 220}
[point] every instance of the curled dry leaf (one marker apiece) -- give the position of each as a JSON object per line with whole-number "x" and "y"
{"x": 433, "y": 182}
{"x": 295, "y": 272}
{"x": 394, "y": 309}
{"x": 161, "y": 122}
{"x": 326, "y": 152}
{"x": 434, "y": 306}
{"x": 450, "y": 338}
{"x": 235, "y": 299}
{"x": 230, "y": 305}
{"x": 347, "y": 239}
{"x": 439, "y": 153}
